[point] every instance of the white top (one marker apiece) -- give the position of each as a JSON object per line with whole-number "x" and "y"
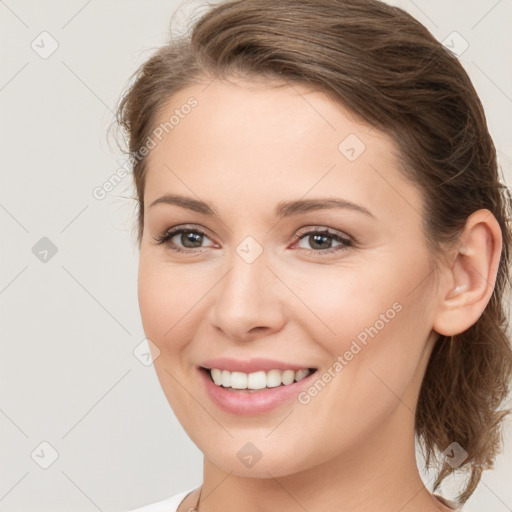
{"x": 172, "y": 504}
{"x": 452, "y": 504}
{"x": 167, "y": 505}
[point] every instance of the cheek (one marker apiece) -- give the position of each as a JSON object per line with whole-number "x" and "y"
{"x": 340, "y": 304}
{"x": 169, "y": 299}
{"x": 377, "y": 319}
{"x": 372, "y": 361}
{"x": 161, "y": 298}
{"x": 388, "y": 339}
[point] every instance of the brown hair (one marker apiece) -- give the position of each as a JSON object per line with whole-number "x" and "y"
{"x": 387, "y": 68}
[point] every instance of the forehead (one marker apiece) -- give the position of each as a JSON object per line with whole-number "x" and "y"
{"x": 254, "y": 113}
{"x": 272, "y": 140}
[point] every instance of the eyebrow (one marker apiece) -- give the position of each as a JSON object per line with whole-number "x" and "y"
{"x": 283, "y": 209}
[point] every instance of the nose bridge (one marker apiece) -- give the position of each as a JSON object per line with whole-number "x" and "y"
{"x": 247, "y": 297}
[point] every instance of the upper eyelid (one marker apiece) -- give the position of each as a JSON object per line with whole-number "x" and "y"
{"x": 186, "y": 227}
{"x": 324, "y": 230}
{"x": 308, "y": 230}
{"x": 298, "y": 233}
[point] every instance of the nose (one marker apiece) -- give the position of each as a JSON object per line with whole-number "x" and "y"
{"x": 247, "y": 304}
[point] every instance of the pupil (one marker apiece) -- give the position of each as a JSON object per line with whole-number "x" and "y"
{"x": 190, "y": 240}
{"x": 319, "y": 241}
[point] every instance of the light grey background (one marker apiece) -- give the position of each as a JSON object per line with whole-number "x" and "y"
{"x": 69, "y": 325}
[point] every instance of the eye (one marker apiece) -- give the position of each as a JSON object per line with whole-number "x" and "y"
{"x": 316, "y": 241}
{"x": 183, "y": 239}
{"x": 322, "y": 241}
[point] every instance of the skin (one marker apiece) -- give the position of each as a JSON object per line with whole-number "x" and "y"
{"x": 243, "y": 149}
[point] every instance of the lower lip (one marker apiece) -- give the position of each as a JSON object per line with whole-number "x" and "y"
{"x": 251, "y": 404}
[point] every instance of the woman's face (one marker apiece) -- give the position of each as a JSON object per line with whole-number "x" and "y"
{"x": 262, "y": 168}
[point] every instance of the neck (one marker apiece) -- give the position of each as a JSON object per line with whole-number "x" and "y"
{"x": 380, "y": 474}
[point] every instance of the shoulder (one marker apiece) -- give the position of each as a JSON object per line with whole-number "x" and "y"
{"x": 168, "y": 505}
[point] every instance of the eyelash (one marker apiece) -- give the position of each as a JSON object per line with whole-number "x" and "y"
{"x": 167, "y": 235}
{"x": 345, "y": 242}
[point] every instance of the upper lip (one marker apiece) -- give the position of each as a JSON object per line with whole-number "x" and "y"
{"x": 251, "y": 365}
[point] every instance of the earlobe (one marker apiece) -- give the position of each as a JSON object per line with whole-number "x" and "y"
{"x": 467, "y": 286}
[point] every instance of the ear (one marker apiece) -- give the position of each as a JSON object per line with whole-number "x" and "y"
{"x": 466, "y": 288}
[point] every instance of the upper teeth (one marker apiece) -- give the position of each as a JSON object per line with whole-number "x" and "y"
{"x": 256, "y": 380}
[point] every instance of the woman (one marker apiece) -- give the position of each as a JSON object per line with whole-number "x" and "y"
{"x": 324, "y": 249}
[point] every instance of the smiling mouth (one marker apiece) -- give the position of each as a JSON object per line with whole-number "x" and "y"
{"x": 255, "y": 381}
